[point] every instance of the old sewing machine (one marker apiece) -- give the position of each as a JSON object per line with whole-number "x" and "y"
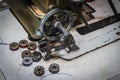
{"x": 49, "y": 21}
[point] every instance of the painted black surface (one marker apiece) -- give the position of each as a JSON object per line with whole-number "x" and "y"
{"x": 98, "y": 25}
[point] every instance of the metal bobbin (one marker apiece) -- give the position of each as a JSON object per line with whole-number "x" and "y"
{"x": 23, "y": 43}
{"x": 27, "y": 61}
{"x": 26, "y": 53}
{"x": 54, "y": 68}
{"x": 39, "y": 71}
{"x": 14, "y": 46}
{"x": 32, "y": 46}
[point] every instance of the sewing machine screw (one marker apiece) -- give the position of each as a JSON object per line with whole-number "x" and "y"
{"x": 56, "y": 15}
{"x": 47, "y": 23}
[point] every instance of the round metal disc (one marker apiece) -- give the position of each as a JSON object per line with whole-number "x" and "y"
{"x": 26, "y": 53}
{"x": 47, "y": 28}
{"x": 14, "y": 46}
{"x": 32, "y": 46}
{"x": 27, "y": 61}
{"x": 39, "y": 71}
{"x": 54, "y": 68}
{"x": 23, "y": 43}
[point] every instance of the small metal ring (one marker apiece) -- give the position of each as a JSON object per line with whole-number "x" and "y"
{"x": 54, "y": 68}
{"x": 26, "y": 53}
{"x": 23, "y": 43}
{"x": 32, "y": 46}
{"x": 27, "y": 61}
{"x": 14, "y": 46}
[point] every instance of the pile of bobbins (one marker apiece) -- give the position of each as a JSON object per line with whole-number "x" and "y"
{"x": 14, "y": 46}
{"x": 39, "y": 71}
{"x": 31, "y": 55}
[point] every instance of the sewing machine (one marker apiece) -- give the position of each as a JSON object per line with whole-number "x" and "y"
{"x": 49, "y": 21}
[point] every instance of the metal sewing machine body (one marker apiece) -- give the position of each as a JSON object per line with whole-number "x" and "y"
{"x": 49, "y": 21}
{"x": 30, "y": 12}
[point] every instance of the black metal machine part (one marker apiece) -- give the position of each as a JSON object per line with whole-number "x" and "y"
{"x": 36, "y": 56}
{"x": 63, "y": 36}
{"x": 98, "y": 25}
{"x": 48, "y": 27}
{"x": 47, "y": 46}
{"x": 23, "y": 6}
{"x": 101, "y": 24}
{"x": 55, "y": 27}
{"x": 94, "y": 26}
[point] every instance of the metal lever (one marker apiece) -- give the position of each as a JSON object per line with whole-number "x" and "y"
{"x": 67, "y": 38}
